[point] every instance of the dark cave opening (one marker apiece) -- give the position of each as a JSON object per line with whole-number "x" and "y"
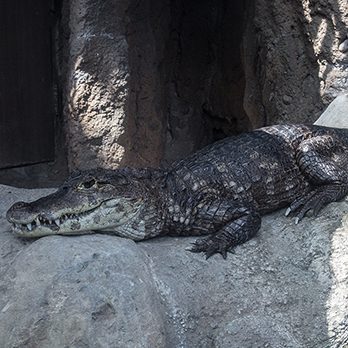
{"x": 205, "y": 78}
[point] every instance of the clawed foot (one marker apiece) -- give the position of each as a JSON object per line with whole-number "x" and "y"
{"x": 300, "y": 207}
{"x": 313, "y": 201}
{"x": 210, "y": 246}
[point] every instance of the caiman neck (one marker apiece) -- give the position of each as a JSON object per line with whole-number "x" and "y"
{"x": 147, "y": 222}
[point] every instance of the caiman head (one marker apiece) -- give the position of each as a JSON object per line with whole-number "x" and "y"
{"x": 94, "y": 200}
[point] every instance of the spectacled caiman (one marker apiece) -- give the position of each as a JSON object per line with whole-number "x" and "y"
{"x": 220, "y": 191}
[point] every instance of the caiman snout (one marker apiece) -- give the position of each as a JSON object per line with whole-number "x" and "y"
{"x": 16, "y": 211}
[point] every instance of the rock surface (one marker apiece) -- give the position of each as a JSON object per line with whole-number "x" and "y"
{"x": 336, "y": 113}
{"x": 95, "y": 85}
{"x": 288, "y": 287}
{"x": 147, "y": 84}
{"x": 295, "y": 58}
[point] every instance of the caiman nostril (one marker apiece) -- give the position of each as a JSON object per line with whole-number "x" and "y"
{"x": 20, "y": 205}
{"x": 16, "y": 208}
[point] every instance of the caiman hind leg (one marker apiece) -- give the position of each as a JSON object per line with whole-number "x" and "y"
{"x": 324, "y": 161}
{"x": 240, "y": 225}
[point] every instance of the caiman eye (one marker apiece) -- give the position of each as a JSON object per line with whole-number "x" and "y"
{"x": 88, "y": 184}
{"x": 92, "y": 183}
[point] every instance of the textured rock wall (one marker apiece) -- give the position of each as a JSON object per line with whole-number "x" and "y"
{"x": 282, "y": 72}
{"x": 96, "y": 82}
{"x": 327, "y": 26}
{"x": 148, "y": 82}
{"x": 295, "y": 58}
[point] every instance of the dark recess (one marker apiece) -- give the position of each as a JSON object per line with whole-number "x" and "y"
{"x": 31, "y": 151}
{"x": 205, "y": 74}
{"x": 26, "y": 84}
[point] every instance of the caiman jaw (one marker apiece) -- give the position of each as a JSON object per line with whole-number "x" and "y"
{"x": 28, "y": 229}
{"x": 110, "y": 215}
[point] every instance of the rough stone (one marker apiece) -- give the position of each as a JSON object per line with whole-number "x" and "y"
{"x": 293, "y": 48}
{"x": 146, "y": 84}
{"x": 343, "y": 47}
{"x": 336, "y": 113}
{"x": 81, "y": 293}
{"x": 280, "y": 62}
{"x": 285, "y": 288}
{"x": 326, "y": 26}
{"x": 95, "y": 85}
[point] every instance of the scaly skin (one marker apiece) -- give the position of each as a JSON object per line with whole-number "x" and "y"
{"x": 220, "y": 191}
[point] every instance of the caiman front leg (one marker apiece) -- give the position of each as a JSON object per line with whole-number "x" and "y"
{"x": 321, "y": 159}
{"x": 238, "y": 226}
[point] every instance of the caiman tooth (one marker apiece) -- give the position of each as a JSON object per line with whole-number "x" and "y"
{"x": 57, "y": 222}
{"x": 37, "y": 220}
{"x": 29, "y": 226}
